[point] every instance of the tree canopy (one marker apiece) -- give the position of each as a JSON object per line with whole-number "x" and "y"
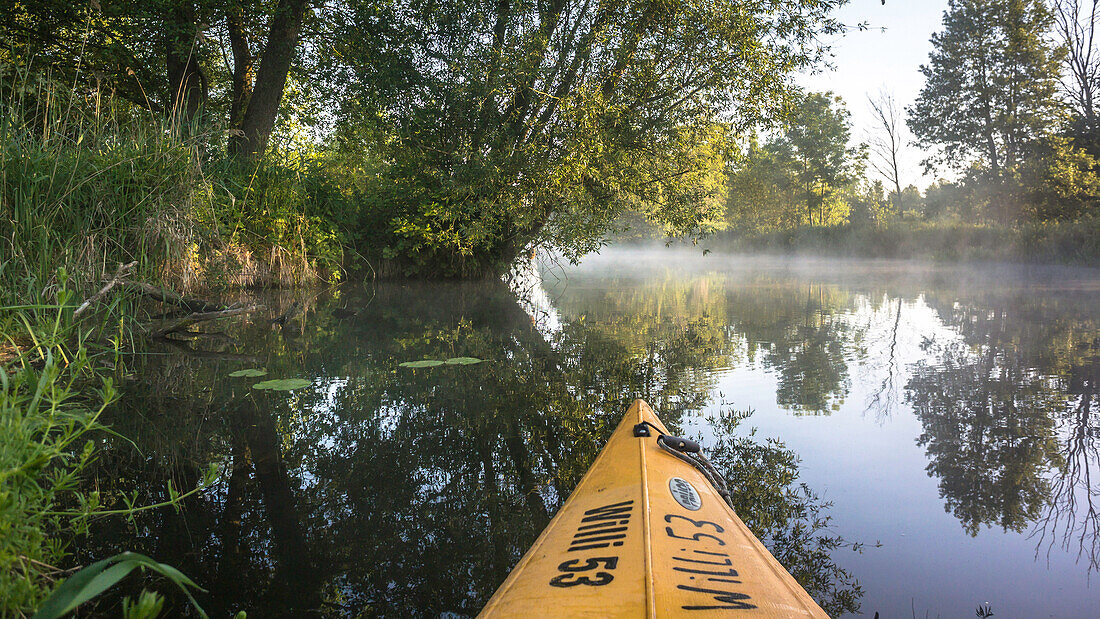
{"x": 512, "y": 123}
{"x": 800, "y": 173}
{"x": 992, "y": 81}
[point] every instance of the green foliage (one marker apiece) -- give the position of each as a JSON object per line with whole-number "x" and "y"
{"x": 92, "y": 581}
{"x": 1063, "y": 180}
{"x": 148, "y": 605}
{"x": 802, "y": 175}
{"x": 816, "y": 141}
{"x": 763, "y": 191}
{"x": 989, "y": 110}
{"x": 130, "y": 186}
{"x": 870, "y": 207}
{"x": 992, "y": 84}
{"x": 522, "y": 123}
{"x": 49, "y": 407}
{"x": 56, "y": 382}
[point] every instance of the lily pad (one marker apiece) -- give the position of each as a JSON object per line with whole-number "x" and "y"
{"x": 250, "y": 373}
{"x": 423, "y": 363}
{"x": 463, "y": 361}
{"x": 283, "y": 384}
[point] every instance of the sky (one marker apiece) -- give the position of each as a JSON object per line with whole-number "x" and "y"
{"x": 874, "y": 60}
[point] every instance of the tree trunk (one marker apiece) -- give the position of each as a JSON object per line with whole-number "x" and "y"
{"x": 187, "y": 86}
{"x": 244, "y": 66}
{"x": 296, "y": 581}
{"x": 263, "y": 107}
{"x": 897, "y": 177}
{"x": 987, "y": 117}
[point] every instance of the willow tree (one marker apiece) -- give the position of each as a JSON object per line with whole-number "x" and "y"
{"x": 518, "y": 122}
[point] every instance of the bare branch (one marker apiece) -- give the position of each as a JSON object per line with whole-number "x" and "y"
{"x": 886, "y": 145}
{"x": 122, "y": 271}
{"x": 1075, "y": 24}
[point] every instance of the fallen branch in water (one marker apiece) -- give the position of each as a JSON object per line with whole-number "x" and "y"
{"x": 179, "y": 324}
{"x": 167, "y": 296}
{"x": 122, "y": 271}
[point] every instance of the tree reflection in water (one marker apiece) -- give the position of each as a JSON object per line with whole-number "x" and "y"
{"x": 1009, "y": 418}
{"x": 1006, "y": 396}
{"x": 989, "y": 435}
{"x": 383, "y": 490}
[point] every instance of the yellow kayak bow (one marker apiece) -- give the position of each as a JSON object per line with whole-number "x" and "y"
{"x": 645, "y": 534}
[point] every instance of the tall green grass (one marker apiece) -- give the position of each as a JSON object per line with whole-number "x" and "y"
{"x": 57, "y": 377}
{"x": 87, "y": 182}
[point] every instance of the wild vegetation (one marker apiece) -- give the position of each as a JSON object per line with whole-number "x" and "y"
{"x": 1006, "y": 113}
{"x": 232, "y": 143}
{"x": 425, "y": 139}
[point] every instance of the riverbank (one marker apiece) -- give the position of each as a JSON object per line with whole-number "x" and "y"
{"x": 87, "y": 185}
{"x": 87, "y": 189}
{"x": 1051, "y": 242}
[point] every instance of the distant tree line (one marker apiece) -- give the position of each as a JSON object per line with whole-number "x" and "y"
{"x": 1007, "y": 115}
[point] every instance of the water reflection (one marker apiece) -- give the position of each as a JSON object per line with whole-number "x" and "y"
{"x": 997, "y": 365}
{"x": 1007, "y": 411}
{"x": 385, "y": 491}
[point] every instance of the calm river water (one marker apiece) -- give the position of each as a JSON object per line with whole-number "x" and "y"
{"x": 945, "y": 420}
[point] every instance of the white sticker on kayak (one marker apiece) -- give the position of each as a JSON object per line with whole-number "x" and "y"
{"x": 685, "y": 494}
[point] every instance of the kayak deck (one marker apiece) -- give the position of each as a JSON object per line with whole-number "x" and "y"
{"x": 645, "y": 534}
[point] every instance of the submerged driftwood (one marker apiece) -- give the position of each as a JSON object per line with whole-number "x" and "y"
{"x": 200, "y": 310}
{"x": 179, "y": 324}
{"x": 164, "y": 295}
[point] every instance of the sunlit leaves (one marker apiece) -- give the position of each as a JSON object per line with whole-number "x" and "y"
{"x": 546, "y": 122}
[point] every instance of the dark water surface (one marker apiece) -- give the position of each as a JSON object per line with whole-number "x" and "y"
{"x": 949, "y": 415}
